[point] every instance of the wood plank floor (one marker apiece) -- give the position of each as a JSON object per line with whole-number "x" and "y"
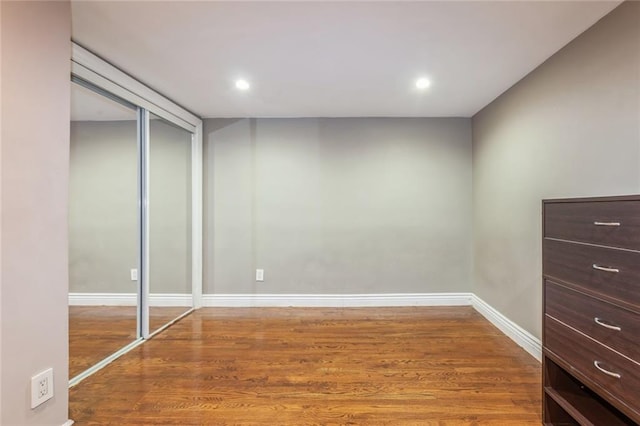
{"x": 96, "y": 332}
{"x": 291, "y": 366}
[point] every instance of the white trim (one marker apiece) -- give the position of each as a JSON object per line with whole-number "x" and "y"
{"x": 185, "y": 300}
{"x": 98, "y": 80}
{"x": 337, "y": 300}
{"x": 94, "y": 69}
{"x": 145, "y": 190}
{"x": 129, "y": 299}
{"x": 522, "y": 337}
{"x": 196, "y": 215}
{"x": 103, "y": 299}
{"x": 68, "y": 423}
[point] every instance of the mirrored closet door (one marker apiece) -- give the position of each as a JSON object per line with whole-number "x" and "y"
{"x": 104, "y": 235}
{"x": 169, "y": 221}
{"x": 135, "y": 213}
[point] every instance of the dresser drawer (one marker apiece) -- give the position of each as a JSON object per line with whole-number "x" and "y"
{"x": 611, "y": 325}
{"x": 612, "y": 223}
{"x": 596, "y": 363}
{"x": 594, "y": 268}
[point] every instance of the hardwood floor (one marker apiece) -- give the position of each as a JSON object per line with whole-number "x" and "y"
{"x": 96, "y": 332}
{"x": 291, "y": 366}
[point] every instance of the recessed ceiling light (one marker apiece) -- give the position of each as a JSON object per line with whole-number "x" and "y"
{"x": 422, "y": 83}
{"x": 242, "y": 84}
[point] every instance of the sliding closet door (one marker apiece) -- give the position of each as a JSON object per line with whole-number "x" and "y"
{"x": 103, "y": 227}
{"x": 169, "y": 229}
{"x": 135, "y": 213}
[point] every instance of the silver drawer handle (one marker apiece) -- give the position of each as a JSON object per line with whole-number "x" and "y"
{"x": 605, "y": 325}
{"x": 605, "y": 268}
{"x": 607, "y": 372}
{"x": 606, "y": 223}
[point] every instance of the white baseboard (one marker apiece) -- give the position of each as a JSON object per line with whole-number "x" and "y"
{"x": 68, "y": 423}
{"x": 336, "y": 300}
{"x": 168, "y": 299}
{"x": 522, "y": 337}
{"x": 103, "y": 299}
{"x": 128, "y": 299}
{"x": 516, "y": 333}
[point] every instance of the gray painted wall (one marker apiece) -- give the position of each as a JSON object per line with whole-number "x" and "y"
{"x": 103, "y": 208}
{"x": 358, "y": 205}
{"x": 570, "y": 128}
{"x": 34, "y": 189}
{"x": 169, "y": 209}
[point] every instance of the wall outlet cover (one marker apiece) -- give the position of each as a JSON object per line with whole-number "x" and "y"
{"x": 259, "y": 274}
{"x": 41, "y": 387}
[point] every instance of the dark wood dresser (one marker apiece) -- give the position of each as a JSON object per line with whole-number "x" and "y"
{"x": 591, "y": 302}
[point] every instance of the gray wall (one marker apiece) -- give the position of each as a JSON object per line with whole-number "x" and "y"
{"x": 169, "y": 209}
{"x": 103, "y": 207}
{"x": 357, "y": 205}
{"x": 35, "y": 167}
{"x": 570, "y": 128}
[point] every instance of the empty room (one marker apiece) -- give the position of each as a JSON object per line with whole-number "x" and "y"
{"x": 309, "y": 212}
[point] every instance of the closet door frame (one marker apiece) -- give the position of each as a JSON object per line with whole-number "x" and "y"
{"x": 91, "y": 68}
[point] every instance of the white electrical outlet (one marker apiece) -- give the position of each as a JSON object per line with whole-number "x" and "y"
{"x": 41, "y": 387}
{"x": 134, "y": 275}
{"x": 259, "y": 274}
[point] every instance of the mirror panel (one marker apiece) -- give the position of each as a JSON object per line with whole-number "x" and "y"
{"x": 103, "y": 227}
{"x": 169, "y": 227}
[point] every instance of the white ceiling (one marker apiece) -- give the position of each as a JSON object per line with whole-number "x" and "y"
{"x": 331, "y": 59}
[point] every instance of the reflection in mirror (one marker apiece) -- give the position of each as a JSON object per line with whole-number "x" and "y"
{"x": 169, "y": 229}
{"x": 103, "y": 228}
